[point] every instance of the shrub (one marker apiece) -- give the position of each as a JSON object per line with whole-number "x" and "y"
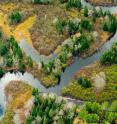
{"x": 110, "y": 56}
{"x": 60, "y": 25}
{"x": 113, "y": 107}
{"x": 111, "y": 117}
{"x": 9, "y": 60}
{"x": 0, "y": 34}
{"x": 47, "y": 68}
{"x": 74, "y": 4}
{"x": 110, "y": 24}
{"x": 84, "y": 43}
{"x": 63, "y": 57}
{"x": 86, "y": 11}
{"x": 30, "y": 62}
{"x": 2, "y": 72}
{"x": 69, "y": 26}
{"x": 92, "y": 112}
{"x": 93, "y": 107}
{"x": 35, "y": 92}
{"x": 15, "y": 17}
{"x": 21, "y": 66}
{"x": 84, "y": 82}
{"x": 86, "y": 24}
{"x": 89, "y": 118}
{"x": 3, "y": 49}
{"x": 94, "y": 17}
{"x": 72, "y": 27}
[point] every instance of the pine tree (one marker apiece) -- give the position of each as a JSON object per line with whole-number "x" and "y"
{"x": 86, "y": 11}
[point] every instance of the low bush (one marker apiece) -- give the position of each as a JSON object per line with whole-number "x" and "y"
{"x": 9, "y": 60}
{"x": 110, "y": 24}
{"x": 86, "y": 24}
{"x": 110, "y": 56}
{"x": 86, "y": 11}
{"x": 2, "y": 72}
{"x": 93, "y": 112}
{"x": 84, "y": 43}
{"x": 3, "y": 49}
{"x": 60, "y": 26}
{"x": 15, "y": 17}
{"x": 72, "y": 27}
{"x": 64, "y": 26}
{"x": 74, "y": 4}
{"x": 84, "y": 82}
{"x": 0, "y": 34}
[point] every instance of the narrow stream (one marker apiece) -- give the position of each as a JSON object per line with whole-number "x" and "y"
{"x": 112, "y": 9}
{"x": 71, "y": 70}
{"x": 65, "y": 77}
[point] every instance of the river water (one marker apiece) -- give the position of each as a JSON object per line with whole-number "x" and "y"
{"x": 65, "y": 77}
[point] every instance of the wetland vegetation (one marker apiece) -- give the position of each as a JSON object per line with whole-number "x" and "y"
{"x": 77, "y": 26}
{"x": 63, "y": 31}
{"x": 97, "y": 82}
{"x": 44, "y": 108}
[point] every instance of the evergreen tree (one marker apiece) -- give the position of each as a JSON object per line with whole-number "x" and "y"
{"x": 86, "y": 11}
{"x": 3, "y": 49}
{"x": 2, "y": 72}
{"x": 15, "y": 17}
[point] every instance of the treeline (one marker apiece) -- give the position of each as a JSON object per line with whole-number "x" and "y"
{"x": 12, "y": 57}
{"x": 49, "y": 109}
{"x": 53, "y": 109}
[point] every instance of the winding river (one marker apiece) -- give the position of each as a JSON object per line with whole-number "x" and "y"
{"x": 65, "y": 77}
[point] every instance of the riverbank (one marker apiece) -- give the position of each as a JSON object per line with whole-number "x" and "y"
{"x": 14, "y": 60}
{"x": 96, "y": 82}
{"x": 103, "y": 86}
{"x": 45, "y": 80}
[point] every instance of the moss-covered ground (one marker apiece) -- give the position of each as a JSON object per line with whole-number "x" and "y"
{"x": 109, "y": 91}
